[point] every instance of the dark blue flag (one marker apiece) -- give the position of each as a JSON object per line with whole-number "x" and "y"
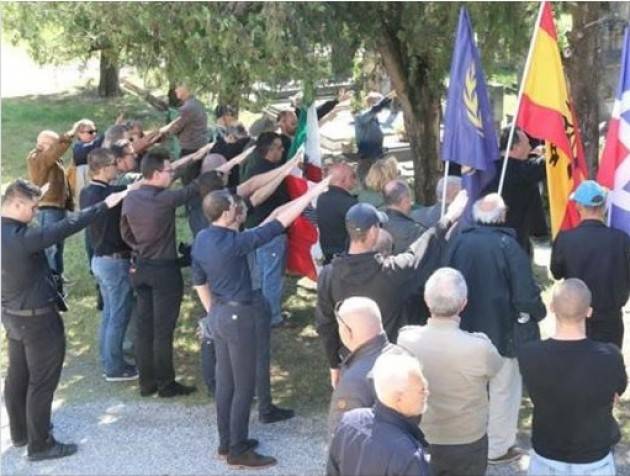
{"x": 469, "y": 135}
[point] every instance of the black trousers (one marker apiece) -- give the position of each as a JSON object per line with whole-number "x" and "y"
{"x": 469, "y": 459}
{"x": 159, "y": 287}
{"x": 606, "y": 327}
{"x": 36, "y": 347}
{"x": 234, "y": 330}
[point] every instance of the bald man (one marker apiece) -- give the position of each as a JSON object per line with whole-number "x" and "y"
{"x": 385, "y": 440}
{"x": 573, "y": 382}
{"x": 45, "y": 165}
{"x": 361, "y": 331}
{"x": 332, "y": 207}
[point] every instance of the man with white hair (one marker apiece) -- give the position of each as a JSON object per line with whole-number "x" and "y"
{"x": 459, "y": 365}
{"x": 502, "y": 296}
{"x": 429, "y": 216}
{"x": 361, "y": 331}
{"x": 385, "y": 440}
{"x": 573, "y": 382}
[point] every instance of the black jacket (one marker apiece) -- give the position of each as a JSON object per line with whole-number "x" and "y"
{"x": 500, "y": 283}
{"x": 521, "y": 195}
{"x": 332, "y": 207}
{"x": 403, "y": 228}
{"x": 389, "y": 281}
{"x": 377, "y": 441}
{"x": 27, "y": 282}
{"x": 599, "y": 256}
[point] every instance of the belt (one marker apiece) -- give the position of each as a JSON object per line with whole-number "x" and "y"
{"x": 40, "y": 311}
{"x": 234, "y": 303}
{"x": 51, "y": 207}
{"x": 121, "y": 255}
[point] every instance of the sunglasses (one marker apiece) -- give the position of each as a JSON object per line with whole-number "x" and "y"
{"x": 91, "y": 132}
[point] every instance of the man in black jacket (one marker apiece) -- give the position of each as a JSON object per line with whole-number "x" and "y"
{"x": 599, "y": 256}
{"x": 389, "y": 281}
{"x": 521, "y": 188}
{"x": 502, "y": 290}
{"x": 332, "y": 207}
{"x": 36, "y": 341}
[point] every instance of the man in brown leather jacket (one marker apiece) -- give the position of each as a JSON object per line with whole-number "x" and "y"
{"x": 45, "y": 166}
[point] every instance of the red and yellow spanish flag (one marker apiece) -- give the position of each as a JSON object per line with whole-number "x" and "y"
{"x": 546, "y": 112}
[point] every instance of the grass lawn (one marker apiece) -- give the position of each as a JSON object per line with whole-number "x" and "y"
{"x": 299, "y": 372}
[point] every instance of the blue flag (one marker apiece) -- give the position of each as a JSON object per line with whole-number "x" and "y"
{"x": 469, "y": 135}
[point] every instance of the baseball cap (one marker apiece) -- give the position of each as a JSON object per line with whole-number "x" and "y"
{"x": 363, "y": 216}
{"x": 589, "y": 194}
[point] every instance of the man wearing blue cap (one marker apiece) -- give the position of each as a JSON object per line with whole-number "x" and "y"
{"x": 599, "y": 256}
{"x": 388, "y": 280}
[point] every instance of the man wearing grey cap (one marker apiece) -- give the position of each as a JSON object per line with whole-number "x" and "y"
{"x": 389, "y": 281}
{"x": 599, "y": 256}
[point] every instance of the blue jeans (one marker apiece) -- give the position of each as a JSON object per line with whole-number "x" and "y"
{"x": 539, "y": 466}
{"x": 268, "y": 274}
{"x": 54, "y": 253}
{"x": 113, "y": 277}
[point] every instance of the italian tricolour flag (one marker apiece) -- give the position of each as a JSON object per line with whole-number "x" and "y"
{"x": 303, "y": 236}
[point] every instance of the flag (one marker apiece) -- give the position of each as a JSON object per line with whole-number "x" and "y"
{"x": 614, "y": 166}
{"x": 546, "y": 112}
{"x": 469, "y": 136}
{"x": 302, "y": 234}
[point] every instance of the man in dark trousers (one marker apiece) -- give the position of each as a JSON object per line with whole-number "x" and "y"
{"x": 332, "y": 208}
{"x": 599, "y": 256}
{"x": 521, "y": 188}
{"x": 222, "y": 279}
{"x": 389, "y": 281}
{"x": 30, "y": 314}
{"x": 148, "y": 227}
{"x": 573, "y": 382}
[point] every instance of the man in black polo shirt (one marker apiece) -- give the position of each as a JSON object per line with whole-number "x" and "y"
{"x": 332, "y": 207}
{"x": 270, "y": 259}
{"x": 110, "y": 265}
{"x": 600, "y": 256}
{"x": 35, "y": 334}
{"x": 148, "y": 227}
{"x": 222, "y": 279}
{"x": 573, "y": 382}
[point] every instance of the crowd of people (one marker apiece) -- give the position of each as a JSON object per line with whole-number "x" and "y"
{"x": 428, "y": 319}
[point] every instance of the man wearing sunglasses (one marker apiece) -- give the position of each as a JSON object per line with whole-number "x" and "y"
{"x": 389, "y": 281}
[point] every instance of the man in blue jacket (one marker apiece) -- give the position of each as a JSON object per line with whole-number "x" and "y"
{"x": 502, "y": 293}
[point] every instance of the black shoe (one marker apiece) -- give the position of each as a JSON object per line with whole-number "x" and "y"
{"x": 19, "y": 443}
{"x": 175, "y": 389}
{"x": 250, "y": 459}
{"x": 251, "y": 443}
{"x": 276, "y": 414}
{"x": 57, "y": 450}
{"x": 147, "y": 392}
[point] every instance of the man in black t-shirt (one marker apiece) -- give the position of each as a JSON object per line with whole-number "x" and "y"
{"x": 110, "y": 265}
{"x": 573, "y": 382}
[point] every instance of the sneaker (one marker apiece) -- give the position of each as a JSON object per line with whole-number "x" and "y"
{"x": 276, "y": 414}
{"x": 175, "y": 389}
{"x": 513, "y": 454}
{"x": 250, "y": 459}
{"x": 130, "y": 373}
{"x": 57, "y": 450}
{"x": 251, "y": 444}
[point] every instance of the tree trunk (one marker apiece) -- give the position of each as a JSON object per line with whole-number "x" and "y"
{"x": 421, "y": 112}
{"x": 109, "y": 85}
{"x": 584, "y": 71}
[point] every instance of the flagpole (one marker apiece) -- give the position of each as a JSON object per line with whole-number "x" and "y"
{"x": 445, "y": 187}
{"x": 519, "y": 97}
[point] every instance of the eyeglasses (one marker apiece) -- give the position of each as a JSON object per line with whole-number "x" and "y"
{"x": 339, "y": 318}
{"x": 90, "y": 131}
